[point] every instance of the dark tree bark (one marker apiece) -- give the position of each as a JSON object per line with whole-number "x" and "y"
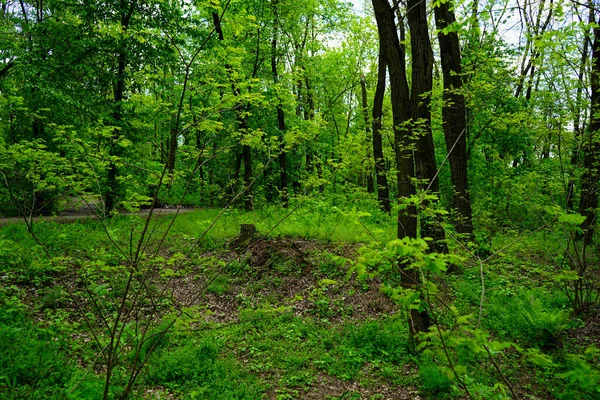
{"x": 454, "y": 118}
{"x": 404, "y": 144}
{"x": 242, "y": 123}
{"x": 283, "y": 175}
{"x": 579, "y": 125}
{"x": 6, "y": 68}
{"x": 127, "y": 10}
{"x": 420, "y": 104}
{"x": 365, "y": 110}
{"x": 383, "y": 190}
{"x": 588, "y": 204}
{"x": 400, "y": 96}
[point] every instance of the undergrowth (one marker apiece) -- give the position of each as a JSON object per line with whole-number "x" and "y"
{"x": 293, "y": 327}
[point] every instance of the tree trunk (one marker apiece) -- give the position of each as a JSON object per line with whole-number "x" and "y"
{"x": 248, "y": 194}
{"x": 365, "y": 109}
{"x": 578, "y": 124}
{"x": 283, "y": 175}
{"x": 242, "y": 124}
{"x": 172, "y": 148}
{"x": 454, "y": 119}
{"x": 394, "y": 56}
{"x": 383, "y": 190}
{"x": 110, "y": 195}
{"x": 588, "y": 204}
{"x": 420, "y": 101}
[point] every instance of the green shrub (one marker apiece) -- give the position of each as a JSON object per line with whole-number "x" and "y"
{"x": 583, "y": 376}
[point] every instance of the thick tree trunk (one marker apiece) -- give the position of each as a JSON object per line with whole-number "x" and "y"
{"x": 588, "y": 204}
{"x": 420, "y": 104}
{"x": 454, "y": 119}
{"x": 404, "y": 144}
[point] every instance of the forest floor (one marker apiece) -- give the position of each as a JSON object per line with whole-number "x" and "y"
{"x": 298, "y": 284}
{"x": 282, "y": 317}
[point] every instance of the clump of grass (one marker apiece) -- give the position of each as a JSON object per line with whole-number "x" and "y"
{"x": 220, "y": 285}
{"x": 528, "y": 317}
{"x": 434, "y": 381}
{"x": 33, "y": 361}
{"x": 196, "y": 370}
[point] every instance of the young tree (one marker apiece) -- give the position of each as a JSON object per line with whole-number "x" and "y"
{"x": 383, "y": 192}
{"x": 588, "y": 204}
{"x": 283, "y": 173}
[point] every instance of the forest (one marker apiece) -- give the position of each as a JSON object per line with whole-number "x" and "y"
{"x": 277, "y": 199}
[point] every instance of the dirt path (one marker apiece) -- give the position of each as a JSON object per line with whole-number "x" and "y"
{"x": 72, "y": 216}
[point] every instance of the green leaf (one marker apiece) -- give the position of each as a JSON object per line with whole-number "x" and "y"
{"x": 571, "y": 219}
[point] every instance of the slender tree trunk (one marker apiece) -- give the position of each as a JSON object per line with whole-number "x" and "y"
{"x": 172, "y": 148}
{"x": 283, "y": 175}
{"x": 365, "y": 109}
{"x": 588, "y": 204}
{"x": 383, "y": 190}
{"x": 532, "y": 51}
{"x": 578, "y": 124}
{"x": 127, "y": 10}
{"x": 249, "y": 197}
{"x": 454, "y": 118}
{"x": 242, "y": 124}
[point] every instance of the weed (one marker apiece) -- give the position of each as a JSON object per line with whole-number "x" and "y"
{"x": 219, "y": 286}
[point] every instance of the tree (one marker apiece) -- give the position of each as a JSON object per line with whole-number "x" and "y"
{"x": 420, "y": 104}
{"x": 394, "y": 56}
{"x": 125, "y": 12}
{"x": 454, "y": 115}
{"x": 242, "y": 118}
{"x": 588, "y": 204}
{"x": 283, "y": 173}
{"x": 383, "y": 194}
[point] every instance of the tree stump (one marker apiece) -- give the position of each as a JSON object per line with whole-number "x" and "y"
{"x": 247, "y": 232}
